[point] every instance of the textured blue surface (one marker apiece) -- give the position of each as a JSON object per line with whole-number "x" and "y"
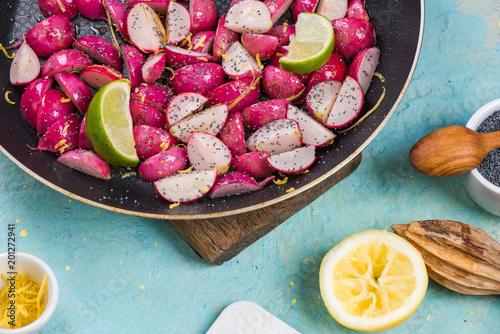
{"x": 126, "y": 274}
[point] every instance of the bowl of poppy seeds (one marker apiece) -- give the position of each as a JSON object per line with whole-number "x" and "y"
{"x": 483, "y": 183}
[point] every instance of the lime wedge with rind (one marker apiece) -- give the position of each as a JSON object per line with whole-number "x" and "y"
{"x": 109, "y": 125}
{"x": 312, "y": 45}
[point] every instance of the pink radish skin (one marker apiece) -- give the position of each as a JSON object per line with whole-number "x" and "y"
{"x": 70, "y": 60}
{"x": 262, "y": 45}
{"x": 199, "y": 78}
{"x": 334, "y": 70}
{"x": 25, "y": 66}
{"x": 348, "y": 104}
{"x": 321, "y": 97}
{"x": 100, "y": 50}
{"x": 278, "y": 136}
{"x": 66, "y": 8}
{"x": 163, "y": 164}
{"x": 332, "y": 9}
{"x": 203, "y": 15}
{"x": 253, "y": 163}
{"x": 153, "y": 67}
{"x": 261, "y": 113}
{"x": 145, "y": 114}
{"x": 155, "y": 94}
{"x": 76, "y": 89}
{"x": 159, "y": 6}
{"x": 230, "y": 92}
{"x": 32, "y": 95}
{"x": 51, "y": 35}
{"x": 206, "y": 152}
{"x": 178, "y": 23}
{"x": 238, "y": 63}
{"x": 98, "y": 76}
{"x": 303, "y": 6}
{"x": 233, "y": 134}
{"x": 150, "y": 140}
{"x": 313, "y": 132}
{"x": 283, "y": 33}
{"x": 277, "y": 8}
{"x": 280, "y": 84}
{"x": 224, "y": 38}
{"x": 179, "y": 57}
{"x": 183, "y": 105}
{"x": 233, "y": 183}
{"x": 186, "y": 187}
{"x": 91, "y": 9}
{"x": 249, "y": 16}
{"x": 83, "y": 140}
{"x": 62, "y": 136}
{"x": 145, "y": 29}
{"x": 202, "y": 41}
{"x": 53, "y": 106}
{"x": 118, "y": 12}
{"x": 133, "y": 60}
{"x": 352, "y": 36}
{"x": 86, "y": 162}
{"x": 295, "y": 161}
{"x": 363, "y": 67}
{"x": 356, "y": 10}
{"x": 209, "y": 121}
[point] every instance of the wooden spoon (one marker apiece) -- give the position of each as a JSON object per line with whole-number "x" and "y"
{"x": 453, "y": 150}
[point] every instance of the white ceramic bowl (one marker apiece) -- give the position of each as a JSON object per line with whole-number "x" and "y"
{"x": 35, "y": 269}
{"x": 483, "y": 192}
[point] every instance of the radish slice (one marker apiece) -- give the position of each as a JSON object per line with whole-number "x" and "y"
{"x": 276, "y": 137}
{"x": 321, "y": 98}
{"x": 233, "y": 183}
{"x": 348, "y": 104}
{"x": 209, "y": 121}
{"x": 295, "y": 161}
{"x": 186, "y": 187}
{"x": 332, "y": 9}
{"x": 249, "y": 16}
{"x": 178, "y": 23}
{"x": 183, "y": 105}
{"x": 238, "y": 63}
{"x": 313, "y": 132}
{"x": 206, "y": 152}
{"x": 86, "y": 162}
{"x": 363, "y": 67}
{"x": 25, "y": 66}
{"x": 145, "y": 29}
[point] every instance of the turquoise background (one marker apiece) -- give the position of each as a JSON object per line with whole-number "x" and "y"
{"x": 101, "y": 278}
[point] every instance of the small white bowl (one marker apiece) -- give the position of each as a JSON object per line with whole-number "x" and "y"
{"x": 483, "y": 192}
{"x": 35, "y": 269}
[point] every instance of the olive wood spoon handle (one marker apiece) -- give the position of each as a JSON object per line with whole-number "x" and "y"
{"x": 453, "y": 150}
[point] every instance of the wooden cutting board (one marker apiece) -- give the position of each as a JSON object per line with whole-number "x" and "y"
{"x": 217, "y": 240}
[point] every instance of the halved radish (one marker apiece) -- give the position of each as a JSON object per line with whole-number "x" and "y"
{"x": 210, "y": 121}
{"x": 363, "y": 67}
{"x": 238, "y": 63}
{"x": 249, "y": 16}
{"x": 76, "y": 89}
{"x": 186, "y": 187}
{"x": 178, "y": 24}
{"x": 163, "y": 164}
{"x": 295, "y": 161}
{"x": 277, "y": 8}
{"x": 332, "y": 9}
{"x": 202, "y": 41}
{"x": 258, "y": 44}
{"x": 348, "y": 104}
{"x": 98, "y": 76}
{"x": 118, "y": 12}
{"x": 153, "y": 67}
{"x": 223, "y": 39}
{"x": 313, "y": 132}
{"x": 253, "y": 163}
{"x": 145, "y": 29}
{"x": 203, "y": 14}
{"x": 178, "y": 57}
{"x": 67, "y": 60}
{"x": 276, "y": 137}
{"x": 206, "y": 152}
{"x": 25, "y": 66}
{"x": 233, "y": 134}
{"x": 86, "y": 162}
{"x": 233, "y": 183}
{"x": 183, "y": 105}
{"x": 321, "y": 98}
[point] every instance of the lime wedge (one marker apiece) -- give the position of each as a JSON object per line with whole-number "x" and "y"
{"x": 109, "y": 125}
{"x": 312, "y": 45}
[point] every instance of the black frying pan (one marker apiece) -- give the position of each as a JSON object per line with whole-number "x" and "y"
{"x": 399, "y": 28}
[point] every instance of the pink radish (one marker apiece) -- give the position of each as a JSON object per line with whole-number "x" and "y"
{"x": 280, "y": 84}
{"x": 118, "y": 12}
{"x": 282, "y": 32}
{"x": 178, "y": 23}
{"x": 233, "y": 134}
{"x": 51, "y": 35}
{"x": 83, "y": 140}
{"x": 261, "y": 113}
{"x": 86, "y": 162}
{"x": 321, "y": 97}
{"x": 163, "y": 164}
{"x": 160, "y": 6}
{"x": 202, "y": 42}
{"x": 25, "y": 66}
{"x": 210, "y": 121}
{"x": 53, "y": 106}
{"x": 145, "y": 29}
{"x": 153, "y": 67}
{"x": 348, "y": 104}
{"x": 199, "y": 78}
{"x": 150, "y": 140}
{"x": 100, "y": 50}
{"x": 277, "y": 8}
{"x": 145, "y": 114}
{"x": 295, "y": 161}
{"x": 253, "y": 163}
{"x": 237, "y": 95}
{"x": 133, "y": 60}
{"x": 238, "y": 63}
{"x": 98, "y": 76}
{"x": 233, "y": 183}
{"x": 91, "y": 9}
{"x": 62, "y": 136}
{"x": 31, "y": 98}
{"x": 66, "y": 8}
{"x": 363, "y": 67}
{"x": 224, "y": 38}
{"x": 203, "y": 15}
{"x": 276, "y": 137}
{"x": 334, "y": 70}
{"x": 155, "y": 94}
{"x": 186, "y": 187}
{"x": 183, "y": 105}
{"x": 301, "y": 6}
{"x": 72, "y": 61}
{"x": 332, "y": 9}
{"x": 77, "y": 90}
{"x": 356, "y": 10}
{"x": 352, "y": 36}
{"x": 206, "y": 152}
{"x": 313, "y": 132}
{"x": 249, "y": 16}
{"x": 178, "y": 57}
{"x": 263, "y": 46}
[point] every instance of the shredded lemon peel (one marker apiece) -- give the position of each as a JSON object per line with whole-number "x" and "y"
{"x": 7, "y": 97}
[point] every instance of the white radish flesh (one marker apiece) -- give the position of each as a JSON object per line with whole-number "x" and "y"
{"x": 276, "y": 137}
{"x": 238, "y": 63}
{"x": 313, "y": 132}
{"x": 186, "y": 187}
{"x": 25, "y": 66}
{"x": 209, "y": 121}
{"x": 348, "y": 104}
{"x": 321, "y": 98}
{"x": 295, "y": 161}
{"x": 206, "y": 152}
{"x": 249, "y": 16}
